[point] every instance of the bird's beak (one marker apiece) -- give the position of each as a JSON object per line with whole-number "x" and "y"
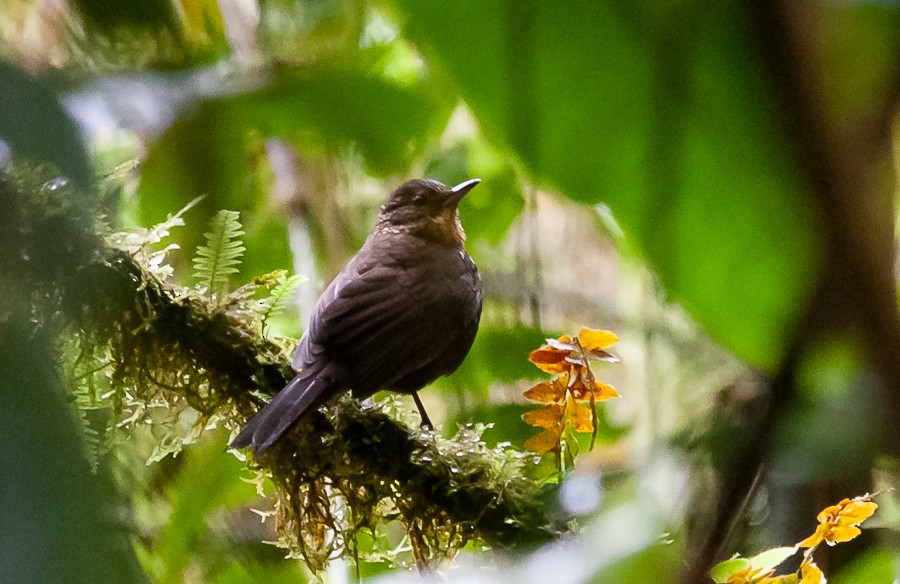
{"x": 460, "y": 190}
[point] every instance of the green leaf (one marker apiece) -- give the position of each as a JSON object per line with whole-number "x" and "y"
{"x": 676, "y": 131}
{"x": 772, "y": 558}
{"x": 35, "y": 126}
{"x": 762, "y": 562}
{"x": 659, "y": 563}
{"x": 246, "y": 572}
{"x": 219, "y": 258}
{"x": 722, "y": 571}
{"x": 281, "y": 294}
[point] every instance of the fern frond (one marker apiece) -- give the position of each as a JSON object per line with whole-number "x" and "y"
{"x": 94, "y": 444}
{"x": 222, "y": 254}
{"x": 280, "y": 295}
{"x": 90, "y": 408}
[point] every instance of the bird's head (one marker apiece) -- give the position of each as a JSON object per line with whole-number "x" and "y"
{"x": 426, "y": 208}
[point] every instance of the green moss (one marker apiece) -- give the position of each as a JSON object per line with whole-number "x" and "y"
{"x": 173, "y": 356}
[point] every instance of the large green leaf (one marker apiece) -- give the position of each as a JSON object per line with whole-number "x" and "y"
{"x": 670, "y": 121}
{"x": 872, "y": 567}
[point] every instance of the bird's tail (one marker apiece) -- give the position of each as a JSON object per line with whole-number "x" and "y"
{"x": 311, "y": 388}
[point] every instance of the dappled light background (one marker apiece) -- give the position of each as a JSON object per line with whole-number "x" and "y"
{"x": 713, "y": 182}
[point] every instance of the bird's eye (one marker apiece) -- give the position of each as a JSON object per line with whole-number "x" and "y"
{"x": 419, "y": 200}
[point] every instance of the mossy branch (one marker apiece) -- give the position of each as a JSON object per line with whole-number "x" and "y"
{"x": 447, "y": 492}
{"x": 170, "y": 345}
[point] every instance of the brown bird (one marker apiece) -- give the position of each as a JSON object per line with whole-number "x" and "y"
{"x": 401, "y": 313}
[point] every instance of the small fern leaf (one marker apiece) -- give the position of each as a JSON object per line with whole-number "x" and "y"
{"x": 222, "y": 254}
{"x": 93, "y": 429}
{"x": 280, "y": 295}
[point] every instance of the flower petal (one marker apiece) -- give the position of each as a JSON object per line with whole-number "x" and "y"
{"x": 563, "y": 343}
{"x": 855, "y": 512}
{"x": 546, "y": 417}
{"x": 601, "y": 356}
{"x": 546, "y": 392}
{"x": 546, "y": 441}
{"x": 596, "y": 340}
{"x": 816, "y": 538}
{"x": 604, "y": 391}
{"x": 811, "y": 574}
{"x": 841, "y": 533}
{"x": 579, "y": 415}
{"x": 549, "y": 360}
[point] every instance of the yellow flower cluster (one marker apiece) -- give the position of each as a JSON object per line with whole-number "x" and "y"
{"x": 837, "y": 523}
{"x": 568, "y": 359}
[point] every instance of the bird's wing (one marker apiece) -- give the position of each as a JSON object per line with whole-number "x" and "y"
{"x": 387, "y": 315}
{"x": 353, "y": 303}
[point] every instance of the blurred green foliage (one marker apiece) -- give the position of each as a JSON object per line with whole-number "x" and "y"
{"x": 664, "y": 112}
{"x": 203, "y": 490}
{"x": 34, "y": 125}
{"x": 58, "y": 520}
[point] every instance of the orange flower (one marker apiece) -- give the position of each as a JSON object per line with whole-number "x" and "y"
{"x": 586, "y": 389}
{"x": 550, "y": 360}
{"x": 811, "y": 574}
{"x": 559, "y": 354}
{"x": 596, "y": 340}
{"x": 548, "y": 392}
{"x": 579, "y": 415}
{"x": 546, "y": 441}
{"x": 838, "y": 523}
{"x": 546, "y": 417}
{"x": 568, "y": 360}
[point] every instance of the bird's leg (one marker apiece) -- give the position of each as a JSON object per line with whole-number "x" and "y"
{"x": 426, "y": 421}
